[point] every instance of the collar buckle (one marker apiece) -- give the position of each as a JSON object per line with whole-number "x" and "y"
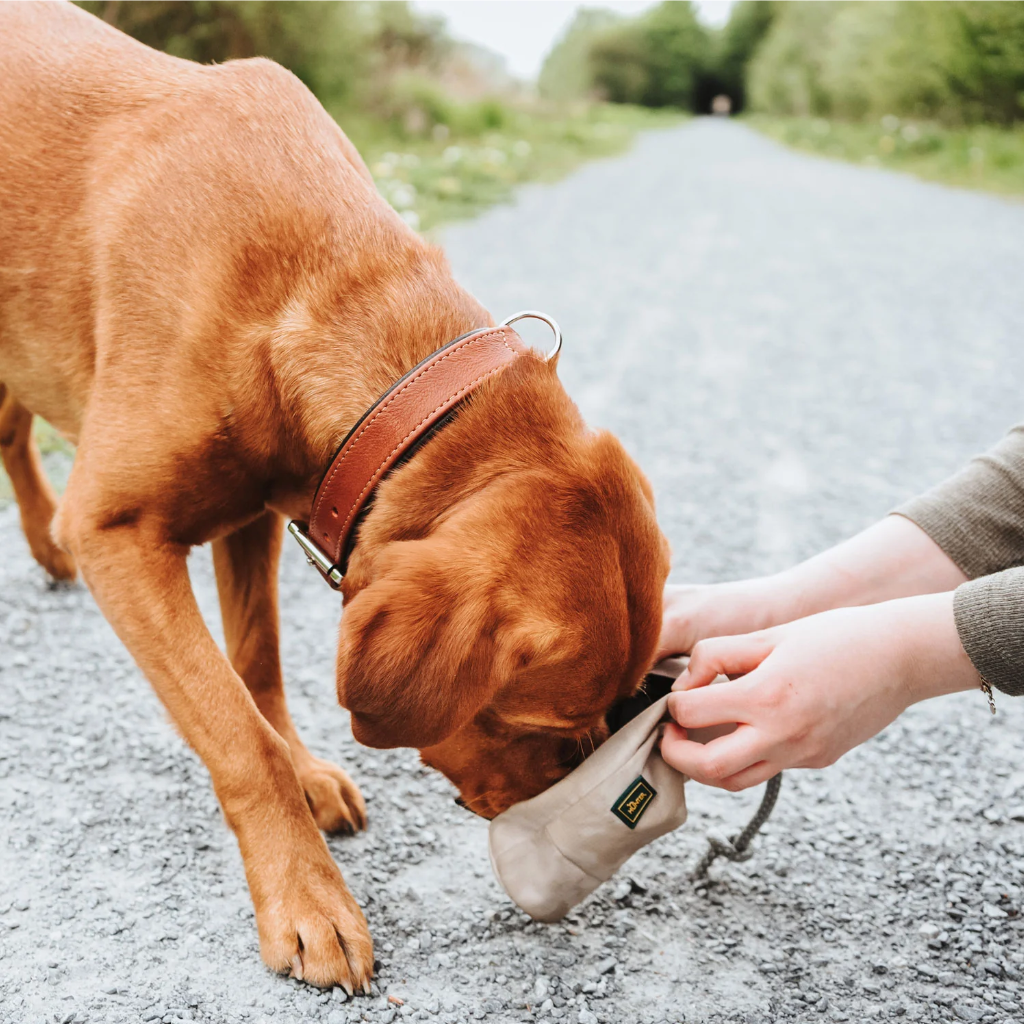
{"x": 315, "y": 556}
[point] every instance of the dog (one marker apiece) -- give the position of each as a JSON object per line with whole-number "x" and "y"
{"x": 201, "y": 288}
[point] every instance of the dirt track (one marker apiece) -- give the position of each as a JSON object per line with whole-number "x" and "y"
{"x": 790, "y": 347}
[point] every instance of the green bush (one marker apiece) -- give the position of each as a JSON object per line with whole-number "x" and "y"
{"x": 619, "y": 65}
{"x": 413, "y": 105}
{"x": 959, "y": 61}
{"x": 677, "y": 52}
{"x": 567, "y": 74}
{"x": 748, "y": 24}
{"x": 785, "y": 72}
{"x": 657, "y": 59}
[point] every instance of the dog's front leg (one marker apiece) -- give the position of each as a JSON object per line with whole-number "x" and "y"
{"x": 246, "y": 566}
{"x": 308, "y": 921}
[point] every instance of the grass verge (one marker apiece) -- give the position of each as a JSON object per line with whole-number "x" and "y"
{"x": 446, "y": 177}
{"x": 980, "y": 157}
{"x": 450, "y": 176}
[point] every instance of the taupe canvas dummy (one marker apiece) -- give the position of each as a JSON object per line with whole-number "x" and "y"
{"x": 552, "y": 851}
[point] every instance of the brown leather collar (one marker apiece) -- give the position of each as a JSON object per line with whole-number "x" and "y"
{"x": 388, "y": 431}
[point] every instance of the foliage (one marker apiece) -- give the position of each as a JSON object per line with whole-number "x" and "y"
{"x": 976, "y": 156}
{"x": 664, "y": 52}
{"x": 432, "y": 181}
{"x": 785, "y": 69}
{"x": 442, "y": 138}
{"x": 749, "y": 22}
{"x": 415, "y": 105}
{"x": 566, "y": 74}
{"x": 959, "y": 61}
{"x": 657, "y": 59}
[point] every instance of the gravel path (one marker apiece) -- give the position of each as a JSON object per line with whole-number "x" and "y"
{"x": 789, "y": 346}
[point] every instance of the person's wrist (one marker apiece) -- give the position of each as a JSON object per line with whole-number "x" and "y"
{"x": 746, "y": 606}
{"x": 791, "y": 594}
{"x": 933, "y": 659}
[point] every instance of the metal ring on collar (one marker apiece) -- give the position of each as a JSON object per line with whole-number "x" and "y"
{"x": 532, "y": 314}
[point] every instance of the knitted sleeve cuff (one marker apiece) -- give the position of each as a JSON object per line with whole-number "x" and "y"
{"x": 989, "y": 616}
{"x": 977, "y": 515}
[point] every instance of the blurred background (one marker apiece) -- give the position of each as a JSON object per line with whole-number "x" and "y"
{"x": 453, "y": 104}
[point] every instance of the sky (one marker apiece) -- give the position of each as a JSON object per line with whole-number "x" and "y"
{"x": 523, "y": 31}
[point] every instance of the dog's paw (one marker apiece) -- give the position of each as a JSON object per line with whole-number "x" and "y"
{"x": 316, "y": 932}
{"x": 334, "y": 799}
{"x": 56, "y": 561}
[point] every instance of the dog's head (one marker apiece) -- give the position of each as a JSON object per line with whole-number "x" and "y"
{"x": 504, "y": 592}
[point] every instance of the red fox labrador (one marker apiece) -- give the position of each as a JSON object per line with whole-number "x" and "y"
{"x": 200, "y": 286}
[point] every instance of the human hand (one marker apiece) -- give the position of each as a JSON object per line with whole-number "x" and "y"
{"x": 692, "y": 613}
{"x": 812, "y": 689}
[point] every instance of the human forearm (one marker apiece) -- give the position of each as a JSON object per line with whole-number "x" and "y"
{"x": 894, "y": 558}
{"x": 891, "y": 559}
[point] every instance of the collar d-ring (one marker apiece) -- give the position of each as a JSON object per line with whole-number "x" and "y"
{"x": 533, "y": 314}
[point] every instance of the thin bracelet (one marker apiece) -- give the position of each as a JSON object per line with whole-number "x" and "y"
{"x": 986, "y": 688}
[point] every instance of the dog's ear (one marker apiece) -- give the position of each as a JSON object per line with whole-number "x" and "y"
{"x": 418, "y": 652}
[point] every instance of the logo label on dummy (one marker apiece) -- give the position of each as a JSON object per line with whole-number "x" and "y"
{"x": 629, "y": 808}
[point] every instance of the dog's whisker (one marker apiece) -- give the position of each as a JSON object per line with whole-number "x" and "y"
{"x": 468, "y": 804}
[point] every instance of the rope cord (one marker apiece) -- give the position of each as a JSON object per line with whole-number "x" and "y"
{"x": 738, "y": 848}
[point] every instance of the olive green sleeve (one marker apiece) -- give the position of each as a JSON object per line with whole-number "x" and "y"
{"x": 977, "y": 515}
{"x": 977, "y": 518}
{"x": 989, "y": 616}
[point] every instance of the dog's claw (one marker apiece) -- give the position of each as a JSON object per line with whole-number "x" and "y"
{"x": 297, "y": 966}
{"x": 334, "y": 799}
{"x": 347, "y": 986}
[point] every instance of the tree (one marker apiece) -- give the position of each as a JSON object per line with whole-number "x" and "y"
{"x": 748, "y": 24}
{"x": 957, "y": 61}
{"x": 655, "y": 60}
{"x": 567, "y": 73}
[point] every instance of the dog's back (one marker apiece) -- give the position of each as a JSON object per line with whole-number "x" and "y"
{"x": 62, "y": 72}
{"x": 120, "y": 163}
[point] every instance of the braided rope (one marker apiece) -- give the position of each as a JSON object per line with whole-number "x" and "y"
{"x": 738, "y": 848}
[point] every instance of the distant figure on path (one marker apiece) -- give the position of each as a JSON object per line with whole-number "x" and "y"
{"x": 721, "y": 105}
